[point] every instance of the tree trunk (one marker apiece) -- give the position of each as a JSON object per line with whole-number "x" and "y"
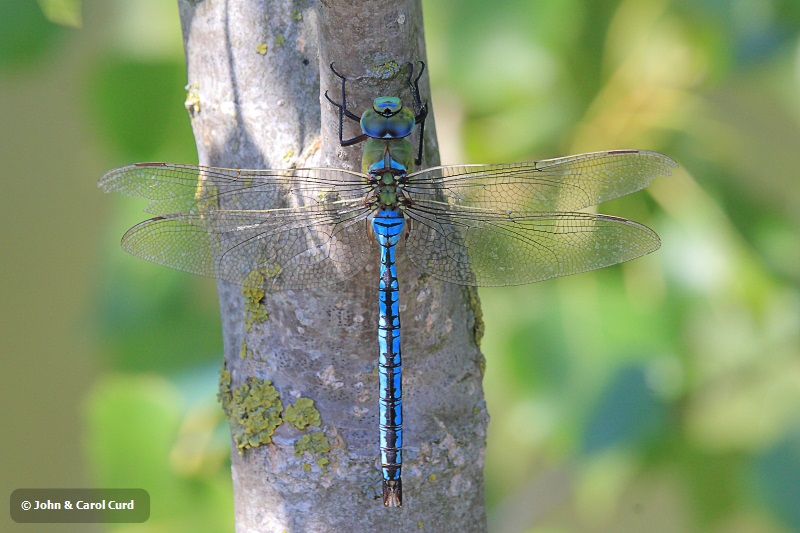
{"x": 256, "y": 102}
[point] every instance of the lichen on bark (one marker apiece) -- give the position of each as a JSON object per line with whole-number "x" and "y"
{"x": 253, "y": 409}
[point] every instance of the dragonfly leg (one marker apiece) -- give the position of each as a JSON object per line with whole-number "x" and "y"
{"x": 418, "y": 159}
{"x": 344, "y": 112}
{"x": 343, "y": 106}
{"x": 420, "y": 107}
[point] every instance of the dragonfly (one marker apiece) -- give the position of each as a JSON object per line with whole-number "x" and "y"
{"x": 472, "y": 225}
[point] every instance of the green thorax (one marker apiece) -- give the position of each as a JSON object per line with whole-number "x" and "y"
{"x": 392, "y": 155}
{"x": 386, "y": 161}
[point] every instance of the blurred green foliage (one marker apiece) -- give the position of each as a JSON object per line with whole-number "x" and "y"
{"x": 666, "y": 390}
{"x": 25, "y": 35}
{"x": 144, "y": 431}
{"x": 120, "y": 88}
{"x": 663, "y": 391}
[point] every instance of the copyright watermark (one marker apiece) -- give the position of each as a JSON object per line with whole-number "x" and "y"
{"x": 80, "y": 505}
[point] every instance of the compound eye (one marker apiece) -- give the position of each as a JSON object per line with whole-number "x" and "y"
{"x": 387, "y": 105}
{"x": 373, "y": 124}
{"x": 397, "y": 129}
{"x": 400, "y": 124}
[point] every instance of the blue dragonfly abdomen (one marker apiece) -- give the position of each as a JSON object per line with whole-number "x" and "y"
{"x": 388, "y": 225}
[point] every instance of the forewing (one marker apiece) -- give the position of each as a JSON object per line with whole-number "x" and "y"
{"x": 492, "y": 248}
{"x": 189, "y": 189}
{"x": 552, "y": 185}
{"x": 292, "y": 248}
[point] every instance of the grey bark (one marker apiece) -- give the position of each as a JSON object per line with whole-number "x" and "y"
{"x": 267, "y": 111}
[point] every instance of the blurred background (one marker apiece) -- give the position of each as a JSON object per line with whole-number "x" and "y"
{"x": 662, "y": 395}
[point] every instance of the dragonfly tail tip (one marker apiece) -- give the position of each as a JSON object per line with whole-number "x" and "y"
{"x": 392, "y": 493}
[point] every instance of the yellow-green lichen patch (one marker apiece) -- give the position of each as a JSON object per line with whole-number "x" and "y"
{"x": 262, "y": 48}
{"x": 432, "y": 478}
{"x": 271, "y": 271}
{"x": 296, "y": 15}
{"x": 224, "y": 388}
{"x": 314, "y": 443}
{"x": 253, "y": 410}
{"x": 279, "y": 39}
{"x": 244, "y": 351}
{"x": 192, "y": 102}
{"x": 306, "y": 467}
{"x": 254, "y": 292}
{"x": 206, "y": 195}
{"x": 302, "y": 413}
{"x": 386, "y": 70}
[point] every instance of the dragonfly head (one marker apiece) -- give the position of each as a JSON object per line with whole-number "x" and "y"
{"x": 387, "y": 105}
{"x": 387, "y": 119}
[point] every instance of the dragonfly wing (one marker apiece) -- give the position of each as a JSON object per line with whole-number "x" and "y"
{"x": 176, "y": 188}
{"x": 290, "y": 248}
{"x": 493, "y": 248}
{"x": 552, "y": 185}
